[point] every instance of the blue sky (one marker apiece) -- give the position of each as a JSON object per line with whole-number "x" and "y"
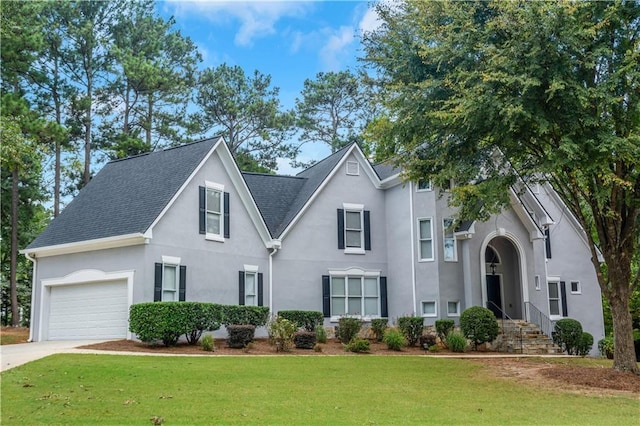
{"x": 289, "y": 40}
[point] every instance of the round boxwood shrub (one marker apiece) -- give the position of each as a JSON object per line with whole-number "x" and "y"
{"x": 567, "y": 335}
{"x": 304, "y": 339}
{"x": 240, "y": 335}
{"x": 479, "y": 325}
{"x": 585, "y": 344}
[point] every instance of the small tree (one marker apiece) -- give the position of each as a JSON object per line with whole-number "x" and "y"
{"x": 567, "y": 335}
{"x": 479, "y": 325}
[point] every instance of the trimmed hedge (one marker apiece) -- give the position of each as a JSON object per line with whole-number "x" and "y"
{"x": 479, "y": 325}
{"x": 240, "y": 335}
{"x": 307, "y": 320}
{"x": 411, "y": 328}
{"x": 201, "y": 317}
{"x": 585, "y": 344}
{"x": 256, "y": 316}
{"x": 304, "y": 339}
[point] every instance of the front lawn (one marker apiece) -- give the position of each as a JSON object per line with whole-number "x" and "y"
{"x": 114, "y": 389}
{"x": 13, "y": 335}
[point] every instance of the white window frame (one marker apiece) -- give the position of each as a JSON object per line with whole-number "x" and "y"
{"x": 457, "y": 312}
{"x": 537, "y": 282}
{"x": 352, "y": 168}
{"x": 354, "y": 273}
{"x": 435, "y": 309}
{"x": 428, "y": 187}
{"x": 174, "y": 263}
{"x": 556, "y": 281}
{"x": 247, "y": 294}
{"x": 444, "y": 242}
{"x": 578, "y": 287}
{"x": 354, "y": 208}
{"x": 420, "y": 239}
{"x": 217, "y": 187}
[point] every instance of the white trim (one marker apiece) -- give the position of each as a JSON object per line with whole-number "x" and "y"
{"x": 435, "y": 308}
{"x": 537, "y": 282}
{"x": 84, "y": 276}
{"x": 413, "y": 249}
{"x": 353, "y": 207}
{"x": 251, "y": 268}
{"x": 171, "y": 260}
{"x": 429, "y": 188}
{"x": 433, "y": 241}
{"x": 558, "y": 316}
{"x": 214, "y": 185}
{"x": 444, "y": 238}
{"x": 535, "y": 233}
{"x": 354, "y": 272}
{"x": 579, "y": 288}
{"x": 88, "y": 245}
{"x": 457, "y": 313}
{"x": 219, "y": 188}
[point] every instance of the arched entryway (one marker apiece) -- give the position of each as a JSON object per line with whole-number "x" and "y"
{"x": 502, "y": 272}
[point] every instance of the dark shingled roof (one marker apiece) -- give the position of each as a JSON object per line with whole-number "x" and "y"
{"x": 126, "y": 196}
{"x": 385, "y": 171}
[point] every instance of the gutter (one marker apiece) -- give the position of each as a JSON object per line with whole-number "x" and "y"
{"x": 32, "y": 258}
{"x": 276, "y": 245}
{"x": 413, "y": 254}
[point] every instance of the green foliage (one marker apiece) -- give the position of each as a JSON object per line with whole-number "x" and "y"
{"x": 411, "y": 328}
{"x": 479, "y": 325}
{"x": 605, "y": 346}
{"x": 158, "y": 321}
{"x": 427, "y": 340}
{"x": 308, "y": 320}
{"x": 281, "y": 332}
{"x": 456, "y": 341}
{"x": 567, "y": 335}
{"x": 240, "y": 336}
{"x": 208, "y": 343}
{"x": 444, "y": 327}
{"x": 378, "y": 326}
{"x": 304, "y": 339}
{"x": 358, "y": 345}
{"x": 245, "y": 315}
{"x": 585, "y": 344}
{"x": 394, "y": 339}
{"x": 321, "y": 334}
{"x": 348, "y": 328}
{"x": 200, "y": 317}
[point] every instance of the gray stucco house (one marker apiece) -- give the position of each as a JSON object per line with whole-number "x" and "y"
{"x": 341, "y": 237}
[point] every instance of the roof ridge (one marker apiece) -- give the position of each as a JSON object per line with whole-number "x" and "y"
{"x": 272, "y": 175}
{"x": 184, "y": 145}
{"x": 328, "y": 157}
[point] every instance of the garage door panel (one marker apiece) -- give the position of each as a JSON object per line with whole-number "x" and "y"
{"x": 89, "y": 311}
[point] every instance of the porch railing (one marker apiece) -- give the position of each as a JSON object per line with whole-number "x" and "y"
{"x": 515, "y": 333}
{"x": 539, "y": 318}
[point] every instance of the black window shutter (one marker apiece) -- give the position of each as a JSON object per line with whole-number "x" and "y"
{"x": 203, "y": 210}
{"x": 183, "y": 283}
{"x": 341, "y": 228}
{"x": 226, "y": 215}
{"x": 384, "y": 311}
{"x": 367, "y": 230}
{"x": 241, "y": 288}
{"x": 326, "y": 296}
{"x": 157, "y": 289}
{"x": 563, "y": 294}
{"x": 547, "y": 243}
{"x": 260, "y": 290}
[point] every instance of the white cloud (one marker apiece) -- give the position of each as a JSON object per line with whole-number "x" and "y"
{"x": 370, "y": 21}
{"x": 257, "y": 18}
{"x": 336, "y": 47}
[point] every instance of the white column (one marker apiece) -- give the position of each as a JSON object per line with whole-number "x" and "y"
{"x": 466, "y": 274}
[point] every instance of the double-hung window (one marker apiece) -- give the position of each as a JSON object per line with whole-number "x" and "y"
{"x": 354, "y": 229}
{"x": 425, "y": 237}
{"x": 214, "y": 212}
{"x": 250, "y": 286}
{"x": 170, "y": 280}
{"x": 169, "y": 283}
{"x": 449, "y": 241}
{"x": 355, "y": 293}
{"x": 557, "y": 298}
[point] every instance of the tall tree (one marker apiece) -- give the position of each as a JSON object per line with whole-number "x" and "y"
{"x": 155, "y": 74}
{"x": 332, "y": 109}
{"x": 246, "y": 110}
{"x": 553, "y": 87}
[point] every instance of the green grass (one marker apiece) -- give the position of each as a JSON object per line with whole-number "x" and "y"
{"x": 114, "y": 389}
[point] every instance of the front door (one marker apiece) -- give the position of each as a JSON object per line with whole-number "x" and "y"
{"x": 494, "y": 297}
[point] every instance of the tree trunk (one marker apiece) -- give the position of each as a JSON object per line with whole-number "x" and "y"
{"x": 624, "y": 354}
{"x": 13, "y": 286}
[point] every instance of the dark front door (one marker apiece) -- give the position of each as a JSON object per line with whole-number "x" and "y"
{"x": 494, "y": 299}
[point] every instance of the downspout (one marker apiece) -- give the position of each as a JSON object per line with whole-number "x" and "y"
{"x": 275, "y": 247}
{"x": 33, "y": 292}
{"x": 413, "y": 254}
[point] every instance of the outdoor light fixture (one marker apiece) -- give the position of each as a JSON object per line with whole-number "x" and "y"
{"x": 493, "y": 268}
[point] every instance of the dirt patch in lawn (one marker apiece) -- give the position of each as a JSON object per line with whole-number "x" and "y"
{"x": 13, "y": 335}
{"x": 591, "y": 380}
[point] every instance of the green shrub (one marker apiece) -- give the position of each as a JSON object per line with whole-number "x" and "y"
{"x": 321, "y": 334}
{"x": 201, "y": 317}
{"x": 434, "y": 348}
{"x": 304, "y": 339}
{"x": 281, "y": 332}
{"x": 443, "y": 328}
{"x": 153, "y": 321}
{"x": 427, "y": 340}
{"x": 358, "y": 345}
{"x": 240, "y": 335}
{"x": 479, "y": 325}
{"x": 456, "y": 341}
{"x": 394, "y": 339}
{"x": 605, "y": 346}
{"x": 208, "y": 343}
{"x": 307, "y": 320}
{"x": 378, "y": 326}
{"x": 256, "y": 316}
{"x": 567, "y": 335}
{"x": 585, "y": 344}
{"x": 411, "y": 328}
{"x": 348, "y": 328}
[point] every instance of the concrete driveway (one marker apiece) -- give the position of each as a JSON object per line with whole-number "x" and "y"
{"x": 15, "y": 355}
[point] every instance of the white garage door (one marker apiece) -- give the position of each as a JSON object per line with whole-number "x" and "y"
{"x": 88, "y": 311}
